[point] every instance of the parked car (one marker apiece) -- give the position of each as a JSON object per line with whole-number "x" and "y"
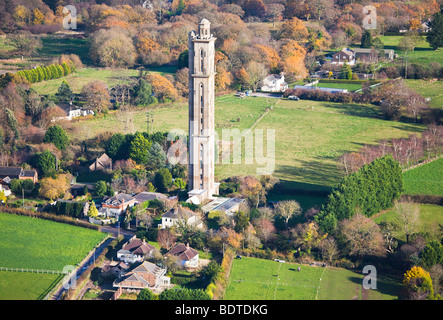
{"x": 293, "y": 98}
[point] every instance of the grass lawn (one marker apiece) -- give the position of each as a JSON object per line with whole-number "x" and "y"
{"x": 42, "y": 244}
{"x": 426, "y": 179}
{"x": 429, "y": 89}
{"x": 423, "y": 54}
{"x": 83, "y": 76}
{"x": 258, "y": 279}
{"x": 311, "y": 135}
{"x": 431, "y": 216}
{"x": 26, "y": 286}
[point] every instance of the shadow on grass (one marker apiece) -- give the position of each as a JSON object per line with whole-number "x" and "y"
{"x": 385, "y": 285}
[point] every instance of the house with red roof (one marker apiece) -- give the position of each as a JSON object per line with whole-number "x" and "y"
{"x": 187, "y": 256}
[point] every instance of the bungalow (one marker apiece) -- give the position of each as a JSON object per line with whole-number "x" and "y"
{"x": 145, "y": 276}
{"x": 102, "y": 163}
{"x": 116, "y": 205}
{"x": 187, "y": 256}
{"x": 274, "y": 83}
{"x": 72, "y": 112}
{"x": 180, "y": 214}
{"x": 135, "y": 250}
{"x": 18, "y": 173}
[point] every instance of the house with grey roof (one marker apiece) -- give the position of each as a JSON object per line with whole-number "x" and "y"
{"x": 274, "y": 83}
{"x": 227, "y": 205}
{"x": 178, "y": 215}
{"x": 115, "y": 206}
{"x": 18, "y": 173}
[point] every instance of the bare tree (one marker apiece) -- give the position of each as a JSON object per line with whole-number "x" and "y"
{"x": 329, "y": 250}
{"x": 287, "y": 209}
{"x": 166, "y": 238}
{"x": 409, "y": 214}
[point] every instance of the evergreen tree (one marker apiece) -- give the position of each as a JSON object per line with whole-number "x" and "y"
{"x": 57, "y": 136}
{"x": 142, "y": 94}
{"x": 366, "y": 39}
{"x": 435, "y": 35}
{"x": 46, "y": 163}
{"x": 64, "y": 92}
{"x": 163, "y": 180}
{"x": 139, "y": 147}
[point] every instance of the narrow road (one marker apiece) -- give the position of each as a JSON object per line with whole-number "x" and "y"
{"x": 81, "y": 268}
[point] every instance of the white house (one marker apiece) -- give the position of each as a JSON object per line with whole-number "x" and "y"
{"x": 135, "y": 250}
{"x": 274, "y": 83}
{"x": 5, "y": 190}
{"x": 187, "y": 256}
{"x": 72, "y": 112}
{"x": 180, "y": 214}
{"x": 114, "y": 206}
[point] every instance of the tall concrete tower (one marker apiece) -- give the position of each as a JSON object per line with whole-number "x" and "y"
{"x": 201, "y": 113}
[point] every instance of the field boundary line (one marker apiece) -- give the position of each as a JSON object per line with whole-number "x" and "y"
{"x": 9, "y": 269}
{"x": 318, "y": 288}
{"x": 427, "y": 161}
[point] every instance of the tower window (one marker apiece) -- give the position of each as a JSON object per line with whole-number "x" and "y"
{"x": 201, "y": 60}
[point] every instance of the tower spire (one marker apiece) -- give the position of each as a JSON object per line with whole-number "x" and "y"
{"x": 201, "y": 113}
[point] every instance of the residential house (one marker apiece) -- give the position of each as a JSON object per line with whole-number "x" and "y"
{"x": 274, "y": 83}
{"x": 180, "y": 214}
{"x": 135, "y": 250}
{"x": 72, "y": 112}
{"x": 115, "y": 269}
{"x": 187, "y": 256}
{"x": 227, "y": 205}
{"x": 371, "y": 55}
{"x": 9, "y": 173}
{"x": 5, "y": 188}
{"x": 145, "y": 276}
{"x": 345, "y": 55}
{"x": 102, "y": 163}
{"x": 116, "y": 205}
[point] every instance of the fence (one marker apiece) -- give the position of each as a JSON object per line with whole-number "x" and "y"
{"x": 33, "y": 270}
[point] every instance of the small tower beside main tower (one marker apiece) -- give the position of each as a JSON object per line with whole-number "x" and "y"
{"x": 201, "y": 113}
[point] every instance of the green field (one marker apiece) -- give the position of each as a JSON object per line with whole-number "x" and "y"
{"x": 258, "y": 279}
{"x": 423, "y": 54}
{"x": 42, "y": 244}
{"x": 431, "y": 216}
{"x": 309, "y": 135}
{"x": 350, "y": 86}
{"x": 83, "y": 76}
{"x": 26, "y": 286}
{"x": 426, "y": 179}
{"x": 429, "y": 89}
